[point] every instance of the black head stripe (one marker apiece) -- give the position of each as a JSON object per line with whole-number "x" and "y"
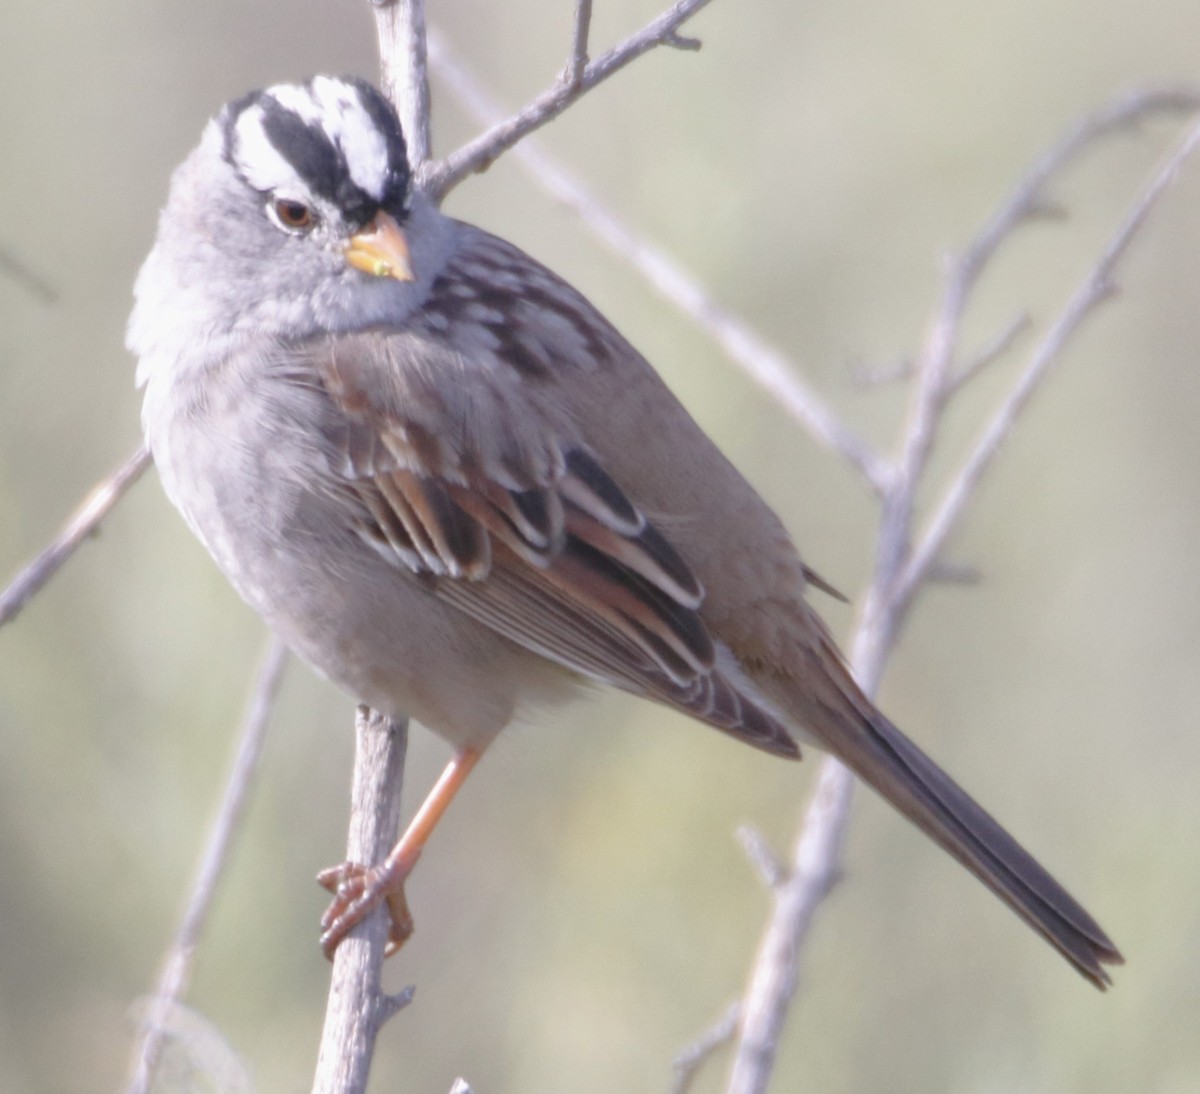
{"x": 320, "y": 164}
{"x": 306, "y": 147}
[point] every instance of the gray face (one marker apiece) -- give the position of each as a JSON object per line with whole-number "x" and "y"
{"x": 253, "y": 238}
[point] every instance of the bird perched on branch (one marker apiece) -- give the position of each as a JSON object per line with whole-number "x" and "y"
{"x": 455, "y": 489}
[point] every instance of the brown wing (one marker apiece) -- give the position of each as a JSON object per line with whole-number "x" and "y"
{"x": 507, "y": 518}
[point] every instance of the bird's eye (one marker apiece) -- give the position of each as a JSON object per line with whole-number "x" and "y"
{"x": 291, "y": 216}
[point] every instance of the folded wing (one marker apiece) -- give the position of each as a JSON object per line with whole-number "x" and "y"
{"x": 502, "y": 514}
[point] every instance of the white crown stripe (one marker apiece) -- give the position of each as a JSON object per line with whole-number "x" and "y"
{"x": 263, "y": 165}
{"x": 335, "y": 107}
{"x": 298, "y": 99}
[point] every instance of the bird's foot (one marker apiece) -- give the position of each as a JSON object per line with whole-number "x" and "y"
{"x": 357, "y": 891}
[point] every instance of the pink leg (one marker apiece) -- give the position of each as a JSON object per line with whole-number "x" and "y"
{"x": 359, "y": 889}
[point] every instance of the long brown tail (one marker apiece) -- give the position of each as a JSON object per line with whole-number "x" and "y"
{"x": 878, "y": 753}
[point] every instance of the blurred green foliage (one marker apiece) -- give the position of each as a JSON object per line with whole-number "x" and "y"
{"x": 584, "y": 912}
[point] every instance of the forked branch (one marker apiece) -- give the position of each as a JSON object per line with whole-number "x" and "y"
{"x": 578, "y": 78}
{"x": 898, "y": 573}
{"x": 780, "y": 377}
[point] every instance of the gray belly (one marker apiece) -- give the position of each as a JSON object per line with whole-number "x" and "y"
{"x": 253, "y": 496}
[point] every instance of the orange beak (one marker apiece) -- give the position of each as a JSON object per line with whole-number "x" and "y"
{"x": 380, "y": 249}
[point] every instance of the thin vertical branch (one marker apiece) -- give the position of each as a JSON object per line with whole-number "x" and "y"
{"x": 177, "y": 967}
{"x": 935, "y": 378}
{"x": 357, "y": 1006}
{"x": 815, "y": 869}
{"x": 578, "y": 58}
{"x": 775, "y": 973}
{"x": 404, "y": 75}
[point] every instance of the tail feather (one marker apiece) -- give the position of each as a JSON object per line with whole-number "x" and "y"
{"x": 845, "y": 722}
{"x": 878, "y": 753}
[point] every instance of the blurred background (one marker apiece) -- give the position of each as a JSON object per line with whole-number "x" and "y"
{"x": 585, "y": 910}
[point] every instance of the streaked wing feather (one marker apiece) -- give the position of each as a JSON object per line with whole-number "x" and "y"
{"x": 588, "y": 486}
{"x": 385, "y": 530}
{"x": 648, "y": 553}
{"x": 524, "y": 605}
{"x": 529, "y": 535}
{"x": 456, "y": 541}
{"x": 494, "y": 517}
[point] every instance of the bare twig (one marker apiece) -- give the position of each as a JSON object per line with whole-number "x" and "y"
{"x": 404, "y": 76}
{"x": 439, "y": 178}
{"x": 816, "y": 867}
{"x": 84, "y": 522}
{"x": 687, "y": 1063}
{"x": 1097, "y": 287}
{"x": 990, "y": 353}
{"x": 770, "y": 869}
{"x": 746, "y": 348}
{"x": 1028, "y": 200}
{"x": 357, "y": 1006}
{"x": 177, "y": 967}
{"x": 896, "y": 577}
{"x": 776, "y": 970}
{"x": 578, "y": 58}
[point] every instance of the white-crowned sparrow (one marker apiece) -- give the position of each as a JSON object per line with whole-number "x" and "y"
{"x": 453, "y": 488}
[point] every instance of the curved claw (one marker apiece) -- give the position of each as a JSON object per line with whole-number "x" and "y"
{"x": 357, "y": 892}
{"x": 333, "y": 877}
{"x": 357, "y": 889}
